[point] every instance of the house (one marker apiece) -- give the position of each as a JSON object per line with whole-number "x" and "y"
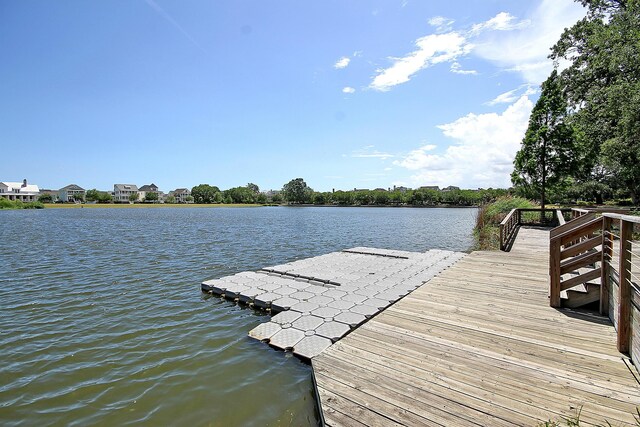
{"x": 451, "y": 188}
{"x": 71, "y": 193}
{"x": 401, "y": 189}
{"x": 123, "y": 192}
{"x": 19, "y": 191}
{"x": 151, "y": 188}
{"x": 430, "y": 187}
{"x": 181, "y": 195}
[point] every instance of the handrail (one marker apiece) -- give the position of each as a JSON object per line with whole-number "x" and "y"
{"x": 560, "y": 217}
{"x": 577, "y": 243}
{"x": 508, "y": 227}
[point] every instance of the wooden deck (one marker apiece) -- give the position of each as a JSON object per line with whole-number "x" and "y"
{"x": 479, "y": 345}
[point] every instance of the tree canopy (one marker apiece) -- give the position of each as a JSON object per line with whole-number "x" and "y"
{"x": 205, "y": 193}
{"x": 297, "y": 191}
{"x": 547, "y": 155}
{"x": 602, "y": 86}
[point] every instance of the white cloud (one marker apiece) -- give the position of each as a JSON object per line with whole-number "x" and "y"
{"x": 342, "y": 63}
{"x": 432, "y": 49}
{"x": 369, "y": 152}
{"x": 441, "y": 23}
{"x": 348, "y": 89}
{"x": 511, "y": 44}
{"x": 457, "y": 69}
{"x": 482, "y": 154}
{"x": 512, "y": 95}
{"x": 525, "y": 49}
{"x": 503, "y": 21}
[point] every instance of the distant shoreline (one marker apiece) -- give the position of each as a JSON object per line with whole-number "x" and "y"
{"x": 222, "y": 205}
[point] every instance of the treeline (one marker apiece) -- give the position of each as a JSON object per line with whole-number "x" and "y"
{"x": 583, "y": 138}
{"x": 296, "y": 191}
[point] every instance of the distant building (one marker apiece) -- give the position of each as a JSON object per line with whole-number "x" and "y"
{"x": 151, "y": 188}
{"x": 19, "y": 191}
{"x": 451, "y": 188}
{"x": 71, "y": 193}
{"x": 360, "y": 189}
{"x": 181, "y": 194}
{"x": 380, "y": 189}
{"x": 401, "y": 189}
{"x": 430, "y": 187}
{"x": 122, "y": 192}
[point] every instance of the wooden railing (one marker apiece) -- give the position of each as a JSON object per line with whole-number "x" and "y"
{"x": 606, "y": 242}
{"x": 526, "y": 216}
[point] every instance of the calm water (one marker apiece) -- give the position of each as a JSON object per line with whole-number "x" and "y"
{"x": 102, "y": 321}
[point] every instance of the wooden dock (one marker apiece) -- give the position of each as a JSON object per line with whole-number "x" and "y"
{"x": 479, "y": 345}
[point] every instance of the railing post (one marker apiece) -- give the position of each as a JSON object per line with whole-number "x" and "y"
{"x": 554, "y": 273}
{"x": 605, "y": 266}
{"x": 624, "y": 307}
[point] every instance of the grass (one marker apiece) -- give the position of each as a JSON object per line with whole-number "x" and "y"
{"x": 574, "y": 421}
{"x": 488, "y": 218}
{"x": 146, "y": 205}
{"x": 9, "y": 204}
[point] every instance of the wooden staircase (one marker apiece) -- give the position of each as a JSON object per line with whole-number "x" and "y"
{"x": 575, "y": 262}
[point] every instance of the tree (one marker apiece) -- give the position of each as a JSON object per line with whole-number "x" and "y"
{"x": 253, "y": 187}
{"x": 151, "y": 197}
{"x": 546, "y": 157}
{"x": 45, "y": 198}
{"x": 241, "y": 195}
{"x": 603, "y": 88}
{"x": 205, "y": 193}
{"x": 134, "y": 197}
{"x": 297, "y": 191}
{"x": 170, "y": 199}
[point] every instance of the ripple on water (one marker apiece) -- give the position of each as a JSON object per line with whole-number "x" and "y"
{"x": 103, "y": 322}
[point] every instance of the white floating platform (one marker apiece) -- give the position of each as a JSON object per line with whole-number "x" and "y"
{"x": 317, "y": 301}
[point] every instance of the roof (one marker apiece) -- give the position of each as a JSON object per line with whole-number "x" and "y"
{"x": 181, "y": 190}
{"x": 73, "y": 187}
{"x": 150, "y": 187}
{"x": 125, "y": 187}
{"x": 29, "y": 188}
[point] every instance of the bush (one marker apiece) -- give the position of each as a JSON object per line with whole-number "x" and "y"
{"x": 17, "y": 204}
{"x": 489, "y": 216}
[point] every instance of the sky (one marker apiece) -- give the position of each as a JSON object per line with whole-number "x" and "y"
{"x": 344, "y": 94}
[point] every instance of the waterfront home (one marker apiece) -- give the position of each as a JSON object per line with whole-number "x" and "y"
{"x": 145, "y": 189}
{"x": 71, "y": 193}
{"x": 19, "y": 191}
{"x": 451, "y": 188}
{"x": 430, "y": 187}
{"x": 181, "y": 195}
{"x": 122, "y": 192}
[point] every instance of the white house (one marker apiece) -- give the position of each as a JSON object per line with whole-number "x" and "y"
{"x": 122, "y": 192}
{"x": 71, "y": 193}
{"x": 19, "y": 191}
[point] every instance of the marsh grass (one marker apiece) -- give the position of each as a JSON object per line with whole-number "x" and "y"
{"x": 489, "y": 216}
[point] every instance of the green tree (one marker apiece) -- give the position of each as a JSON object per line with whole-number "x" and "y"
{"x": 603, "y": 88}
{"x": 205, "y": 193}
{"x": 241, "y": 195}
{"x": 297, "y": 191}
{"x": 92, "y": 195}
{"x": 170, "y": 199}
{"x": 45, "y": 198}
{"x": 253, "y": 187}
{"x": 151, "y": 197}
{"x": 546, "y": 157}
{"x": 134, "y": 197}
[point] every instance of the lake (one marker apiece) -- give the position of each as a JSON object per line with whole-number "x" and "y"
{"x": 103, "y": 322}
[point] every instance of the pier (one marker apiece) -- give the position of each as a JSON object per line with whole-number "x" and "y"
{"x": 479, "y": 345}
{"x": 490, "y": 338}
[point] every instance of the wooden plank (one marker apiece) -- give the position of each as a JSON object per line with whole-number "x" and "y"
{"x": 478, "y": 345}
{"x": 569, "y": 225}
{"x": 580, "y": 261}
{"x": 624, "y": 300}
{"x": 581, "y": 247}
{"x": 581, "y": 279}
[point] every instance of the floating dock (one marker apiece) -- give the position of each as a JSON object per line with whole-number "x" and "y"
{"x": 317, "y": 301}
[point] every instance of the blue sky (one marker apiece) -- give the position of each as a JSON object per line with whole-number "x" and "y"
{"x": 341, "y": 93}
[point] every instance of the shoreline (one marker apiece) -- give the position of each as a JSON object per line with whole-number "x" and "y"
{"x": 230, "y": 205}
